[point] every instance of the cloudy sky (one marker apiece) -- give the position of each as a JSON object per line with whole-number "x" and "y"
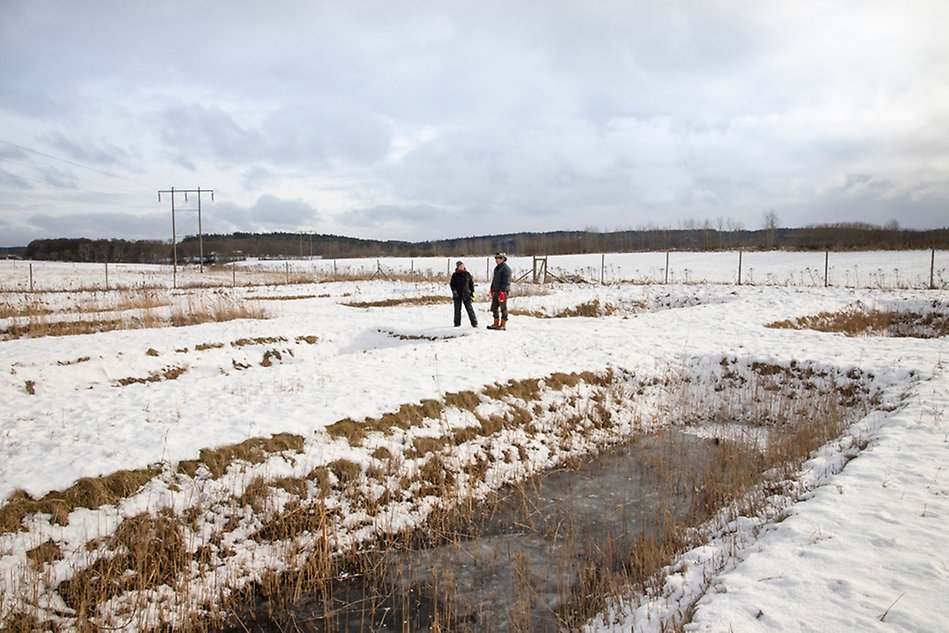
{"x": 425, "y": 120}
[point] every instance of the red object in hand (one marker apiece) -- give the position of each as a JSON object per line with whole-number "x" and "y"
{"x": 502, "y": 296}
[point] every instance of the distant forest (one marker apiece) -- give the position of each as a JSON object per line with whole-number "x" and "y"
{"x": 222, "y": 248}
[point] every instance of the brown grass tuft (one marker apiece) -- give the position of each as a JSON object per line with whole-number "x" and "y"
{"x": 527, "y": 390}
{"x": 256, "y": 495}
{"x": 168, "y": 373}
{"x": 354, "y": 432}
{"x": 463, "y": 400}
{"x": 258, "y": 340}
{"x": 135, "y": 565}
{"x": 853, "y": 322}
{"x": 88, "y": 492}
{"x": 388, "y": 303}
{"x": 253, "y": 451}
{"x": 44, "y": 553}
{"x": 346, "y": 471}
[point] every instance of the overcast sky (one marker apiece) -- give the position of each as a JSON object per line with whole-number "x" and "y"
{"x": 426, "y": 120}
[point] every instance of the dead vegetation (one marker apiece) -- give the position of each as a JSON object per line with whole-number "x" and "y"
{"x": 89, "y": 492}
{"x": 859, "y": 322}
{"x": 426, "y": 300}
{"x": 426, "y": 461}
{"x": 132, "y": 313}
{"x": 589, "y": 309}
{"x": 251, "y": 451}
{"x": 168, "y": 373}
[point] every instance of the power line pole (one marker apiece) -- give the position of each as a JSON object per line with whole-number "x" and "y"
{"x": 174, "y": 234}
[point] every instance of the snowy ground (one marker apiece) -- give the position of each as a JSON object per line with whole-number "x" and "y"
{"x": 866, "y": 549}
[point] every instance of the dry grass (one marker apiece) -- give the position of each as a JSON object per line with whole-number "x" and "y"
{"x": 75, "y": 361}
{"x": 31, "y": 307}
{"x": 168, "y": 373}
{"x": 407, "y": 416}
{"x": 132, "y": 313}
{"x": 420, "y": 464}
{"x": 45, "y": 553}
{"x": 132, "y": 564}
{"x": 252, "y": 451}
{"x": 345, "y": 471}
{"x": 729, "y": 476}
{"x": 589, "y": 309}
{"x": 289, "y": 297}
{"x": 89, "y": 492}
{"x": 404, "y": 301}
{"x": 215, "y": 312}
{"x": 258, "y": 340}
{"x": 854, "y": 322}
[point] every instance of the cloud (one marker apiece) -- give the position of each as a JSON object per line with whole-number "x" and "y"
{"x": 302, "y": 136}
{"x": 267, "y": 213}
{"x": 13, "y": 181}
{"x": 382, "y": 215}
{"x": 104, "y": 225}
{"x": 488, "y": 117}
{"x": 256, "y": 177}
{"x": 271, "y": 210}
{"x": 190, "y": 129}
{"x": 87, "y": 150}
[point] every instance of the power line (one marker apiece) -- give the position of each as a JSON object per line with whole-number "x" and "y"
{"x": 55, "y": 175}
{"x": 70, "y": 162}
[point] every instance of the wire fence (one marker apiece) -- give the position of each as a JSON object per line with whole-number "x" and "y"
{"x": 917, "y": 269}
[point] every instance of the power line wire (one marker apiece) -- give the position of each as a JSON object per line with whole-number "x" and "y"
{"x": 55, "y": 175}
{"x": 66, "y": 160}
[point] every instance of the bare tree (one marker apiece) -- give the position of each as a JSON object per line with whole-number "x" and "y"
{"x": 770, "y": 226}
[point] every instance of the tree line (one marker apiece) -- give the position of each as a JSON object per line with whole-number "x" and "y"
{"x": 836, "y": 237}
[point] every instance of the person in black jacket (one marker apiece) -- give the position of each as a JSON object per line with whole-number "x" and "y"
{"x": 462, "y": 292}
{"x": 500, "y": 287}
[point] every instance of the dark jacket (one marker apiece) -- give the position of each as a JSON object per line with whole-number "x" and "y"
{"x": 501, "y": 281}
{"x": 462, "y": 285}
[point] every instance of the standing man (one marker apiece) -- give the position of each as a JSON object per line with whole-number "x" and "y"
{"x": 500, "y": 287}
{"x": 462, "y": 292}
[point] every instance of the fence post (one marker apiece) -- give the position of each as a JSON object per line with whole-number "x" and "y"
{"x": 826, "y": 266}
{"x": 107, "y": 275}
{"x": 739, "y": 266}
{"x": 667, "y": 268}
{"x": 602, "y": 266}
{"x": 932, "y": 268}
{"x": 233, "y": 276}
{"x": 31, "y": 277}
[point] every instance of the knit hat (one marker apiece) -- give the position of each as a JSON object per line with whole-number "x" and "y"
{"x": 501, "y": 254}
{"x": 459, "y": 263}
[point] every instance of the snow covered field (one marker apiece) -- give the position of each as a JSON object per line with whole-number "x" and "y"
{"x": 863, "y": 269}
{"x": 865, "y": 550}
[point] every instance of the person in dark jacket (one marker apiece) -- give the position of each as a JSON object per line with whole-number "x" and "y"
{"x": 500, "y": 287}
{"x": 462, "y": 292}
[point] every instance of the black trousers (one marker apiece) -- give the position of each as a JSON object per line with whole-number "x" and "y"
{"x": 468, "y": 307}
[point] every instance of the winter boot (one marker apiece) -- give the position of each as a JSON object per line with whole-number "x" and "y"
{"x": 503, "y": 325}
{"x": 496, "y": 325}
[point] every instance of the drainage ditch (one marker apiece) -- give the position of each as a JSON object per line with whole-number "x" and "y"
{"x": 539, "y": 557}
